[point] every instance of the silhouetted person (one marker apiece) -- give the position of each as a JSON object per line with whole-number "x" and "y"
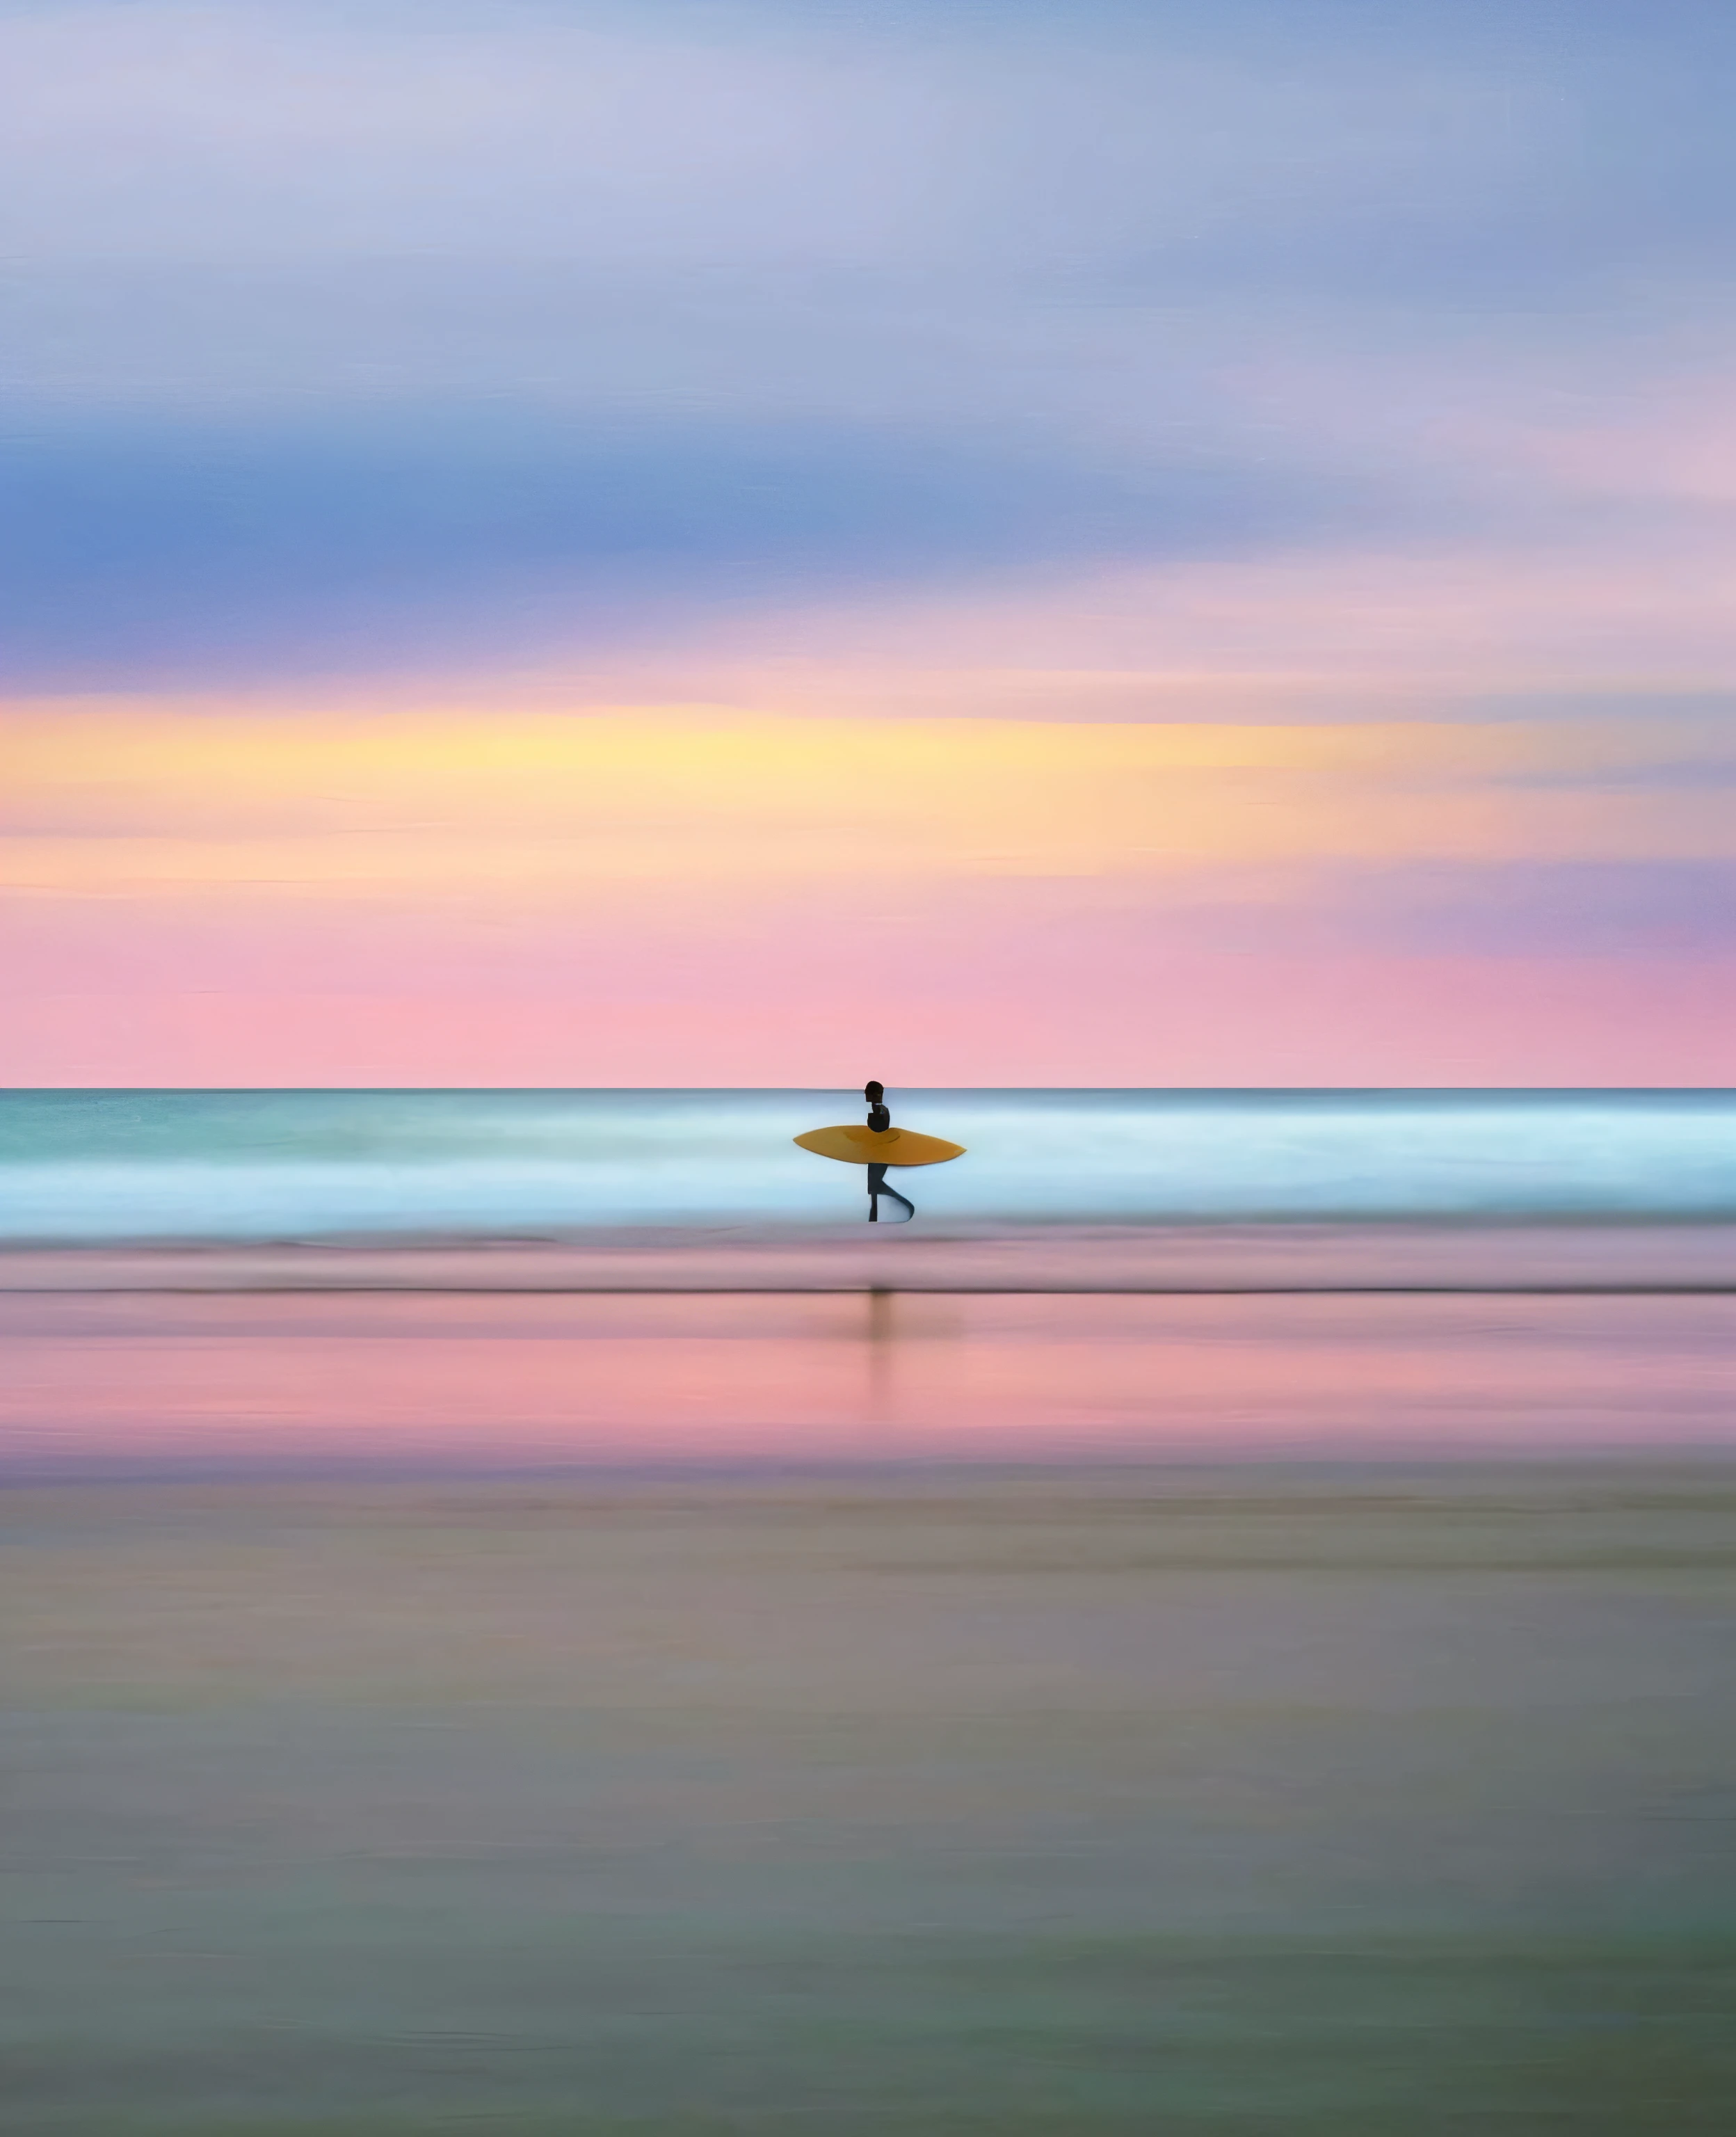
{"x": 879, "y": 1120}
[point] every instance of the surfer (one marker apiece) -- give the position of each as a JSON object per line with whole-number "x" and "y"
{"x": 880, "y": 1120}
{"x": 863, "y": 1146}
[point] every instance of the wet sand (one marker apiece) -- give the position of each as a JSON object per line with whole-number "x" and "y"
{"x": 98, "y": 1382}
{"x": 1302, "y": 1799}
{"x": 1158, "y": 1259}
{"x": 833, "y": 1715}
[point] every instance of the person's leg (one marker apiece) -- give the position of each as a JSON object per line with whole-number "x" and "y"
{"x": 876, "y": 1188}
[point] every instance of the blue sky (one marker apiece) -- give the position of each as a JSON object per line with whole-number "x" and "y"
{"x": 477, "y": 321}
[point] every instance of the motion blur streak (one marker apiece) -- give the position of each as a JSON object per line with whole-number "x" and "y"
{"x": 224, "y": 894}
{"x": 1230, "y": 1797}
{"x": 250, "y": 1382}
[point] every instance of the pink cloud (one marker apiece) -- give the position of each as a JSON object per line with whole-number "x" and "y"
{"x": 1053, "y": 1014}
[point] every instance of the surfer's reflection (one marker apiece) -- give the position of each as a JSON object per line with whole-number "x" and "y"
{"x": 882, "y": 1346}
{"x": 880, "y": 1120}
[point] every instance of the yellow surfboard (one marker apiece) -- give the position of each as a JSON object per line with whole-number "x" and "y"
{"x": 856, "y": 1146}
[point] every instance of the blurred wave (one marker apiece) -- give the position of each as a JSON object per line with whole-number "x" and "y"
{"x": 105, "y": 1167}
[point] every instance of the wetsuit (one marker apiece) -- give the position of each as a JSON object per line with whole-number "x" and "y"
{"x": 879, "y": 1120}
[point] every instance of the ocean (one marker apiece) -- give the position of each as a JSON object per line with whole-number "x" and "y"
{"x": 108, "y": 1167}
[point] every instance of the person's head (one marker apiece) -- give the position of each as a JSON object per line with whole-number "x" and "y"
{"x": 873, "y": 1092}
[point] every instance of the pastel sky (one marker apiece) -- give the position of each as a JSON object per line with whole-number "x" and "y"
{"x": 1125, "y": 542}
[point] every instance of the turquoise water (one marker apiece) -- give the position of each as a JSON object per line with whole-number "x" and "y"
{"x": 90, "y": 1165}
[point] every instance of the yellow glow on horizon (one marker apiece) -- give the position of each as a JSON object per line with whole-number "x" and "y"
{"x": 124, "y": 802}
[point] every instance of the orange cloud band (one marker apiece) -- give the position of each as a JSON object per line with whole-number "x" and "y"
{"x": 540, "y": 805}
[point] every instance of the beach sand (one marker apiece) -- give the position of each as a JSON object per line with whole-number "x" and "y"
{"x": 1099, "y": 1715}
{"x": 1468, "y": 1257}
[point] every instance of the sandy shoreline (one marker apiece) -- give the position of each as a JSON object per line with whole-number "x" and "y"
{"x": 1270, "y": 1257}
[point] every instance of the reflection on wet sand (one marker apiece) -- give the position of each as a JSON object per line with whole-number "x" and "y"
{"x": 1077, "y": 1717}
{"x": 493, "y": 1380}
